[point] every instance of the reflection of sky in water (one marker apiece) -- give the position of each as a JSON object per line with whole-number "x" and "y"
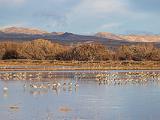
{"x": 90, "y": 101}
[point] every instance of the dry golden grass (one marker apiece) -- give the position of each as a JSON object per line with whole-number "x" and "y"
{"x": 77, "y": 65}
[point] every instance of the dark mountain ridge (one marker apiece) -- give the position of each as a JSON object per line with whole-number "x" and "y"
{"x": 109, "y": 39}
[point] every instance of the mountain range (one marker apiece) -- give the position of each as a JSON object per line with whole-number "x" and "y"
{"x": 110, "y": 39}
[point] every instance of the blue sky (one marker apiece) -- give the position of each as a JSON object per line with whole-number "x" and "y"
{"x": 83, "y": 16}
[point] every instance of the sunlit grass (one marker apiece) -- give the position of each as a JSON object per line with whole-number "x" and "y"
{"x": 77, "y": 65}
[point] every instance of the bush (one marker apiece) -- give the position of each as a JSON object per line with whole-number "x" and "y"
{"x": 10, "y": 54}
{"x": 86, "y": 52}
{"x": 41, "y": 49}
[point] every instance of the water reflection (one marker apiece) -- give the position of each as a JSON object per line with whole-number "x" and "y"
{"x": 43, "y": 87}
{"x": 40, "y": 83}
{"x": 109, "y": 77}
{"x": 5, "y": 94}
{"x": 75, "y": 95}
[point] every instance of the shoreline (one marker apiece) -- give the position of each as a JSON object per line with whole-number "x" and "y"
{"x": 48, "y": 65}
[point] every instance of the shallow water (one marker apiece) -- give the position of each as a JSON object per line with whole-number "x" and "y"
{"x": 113, "y": 99}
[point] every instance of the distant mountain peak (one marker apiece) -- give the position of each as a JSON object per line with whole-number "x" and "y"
{"x": 141, "y": 38}
{"x": 21, "y": 33}
{"x": 68, "y": 34}
{"x": 57, "y": 33}
{"x": 108, "y": 35}
{"x": 22, "y": 30}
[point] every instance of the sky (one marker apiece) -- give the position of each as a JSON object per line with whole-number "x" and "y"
{"x": 83, "y": 16}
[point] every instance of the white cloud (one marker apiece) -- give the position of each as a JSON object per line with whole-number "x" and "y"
{"x": 11, "y": 2}
{"x": 104, "y": 8}
{"x": 97, "y": 7}
{"x": 109, "y": 25}
{"x": 92, "y": 10}
{"x": 20, "y": 24}
{"x": 101, "y": 15}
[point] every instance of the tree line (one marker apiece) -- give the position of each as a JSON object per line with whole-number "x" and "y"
{"x": 41, "y": 49}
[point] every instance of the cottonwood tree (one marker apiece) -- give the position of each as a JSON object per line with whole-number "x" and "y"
{"x": 86, "y": 52}
{"x": 40, "y": 49}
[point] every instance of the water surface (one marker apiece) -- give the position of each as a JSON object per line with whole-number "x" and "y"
{"x": 125, "y": 95}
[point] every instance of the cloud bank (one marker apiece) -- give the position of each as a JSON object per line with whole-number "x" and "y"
{"x": 11, "y": 2}
{"x": 82, "y": 16}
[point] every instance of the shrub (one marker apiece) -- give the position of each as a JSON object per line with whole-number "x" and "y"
{"x": 10, "y": 54}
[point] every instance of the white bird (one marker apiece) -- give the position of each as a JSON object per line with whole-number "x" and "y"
{"x": 70, "y": 84}
{"x": 58, "y": 84}
{"x": 5, "y": 88}
{"x": 76, "y": 85}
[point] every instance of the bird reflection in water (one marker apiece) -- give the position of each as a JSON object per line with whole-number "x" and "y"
{"x": 36, "y": 82}
{"x": 5, "y": 92}
{"x": 39, "y": 88}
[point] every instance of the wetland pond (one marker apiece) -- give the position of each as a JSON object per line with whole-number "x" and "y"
{"x": 80, "y": 95}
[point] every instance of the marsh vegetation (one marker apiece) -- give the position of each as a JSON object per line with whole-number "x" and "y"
{"x": 41, "y": 49}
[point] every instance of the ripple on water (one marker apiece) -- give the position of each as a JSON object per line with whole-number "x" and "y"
{"x": 90, "y": 101}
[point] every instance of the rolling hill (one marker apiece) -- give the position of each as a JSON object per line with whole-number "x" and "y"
{"x": 109, "y": 39}
{"x": 130, "y": 38}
